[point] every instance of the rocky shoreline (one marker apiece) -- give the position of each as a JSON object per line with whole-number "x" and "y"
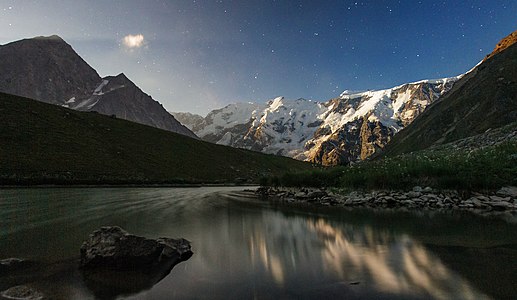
{"x": 502, "y": 201}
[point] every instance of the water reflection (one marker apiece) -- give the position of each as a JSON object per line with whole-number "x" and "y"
{"x": 262, "y": 253}
{"x": 246, "y": 249}
{"x": 111, "y": 284}
{"x": 377, "y": 259}
{"x": 393, "y": 264}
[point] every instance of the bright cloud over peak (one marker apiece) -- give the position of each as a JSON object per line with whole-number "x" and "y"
{"x": 133, "y": 41}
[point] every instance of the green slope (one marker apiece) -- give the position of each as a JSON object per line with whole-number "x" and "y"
{"x": 484, "y": 99}
{"x": 42, "y": 143}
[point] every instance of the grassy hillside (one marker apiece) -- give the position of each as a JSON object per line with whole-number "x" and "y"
{"x": 42, "y": 143}
{"x": 484, "y": 99}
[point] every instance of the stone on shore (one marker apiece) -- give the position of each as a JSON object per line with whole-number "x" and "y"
{"x": 508, "y": 191}
{"x": 416, "y": 198}
{"x": 22, "y": 292}
{"x": 317, "y": 194}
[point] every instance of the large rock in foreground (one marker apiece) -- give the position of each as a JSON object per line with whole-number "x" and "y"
{"x": 114, "y": 248}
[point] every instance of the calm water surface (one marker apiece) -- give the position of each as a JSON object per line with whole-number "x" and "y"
{"x": 248, "y": 249}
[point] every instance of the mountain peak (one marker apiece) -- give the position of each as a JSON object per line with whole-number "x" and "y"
{"x": 120, "y": 79}
{"x": 45, "y": 68}
{"x": 122, "y": 76}
{"x": 54, "y": 41}
{"x": 503, "y": 44}
{"x": 51, "y": 37}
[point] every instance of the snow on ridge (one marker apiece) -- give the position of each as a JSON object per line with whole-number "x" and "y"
{"x": 68, "y": 102}
{"x": 229, "y": 116}
{"x": 98, "y": 90}
{"x": 94, "y": 98}
{"x": 350, "y": 94}
{"x": 297, "y": 128}
{"x": 384, "y": 105}
{"x": 473, "y": 68}
{"x": 276, "y": 103}
{"x": 284, "y": 123}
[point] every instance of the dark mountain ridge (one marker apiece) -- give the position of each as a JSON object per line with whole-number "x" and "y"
{"x": 49, "y": 70}
{"x": 46, "y": 69}
{"x": 484, "y": 99}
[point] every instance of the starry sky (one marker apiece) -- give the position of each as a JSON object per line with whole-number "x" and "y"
{"x": 200, "y": 55}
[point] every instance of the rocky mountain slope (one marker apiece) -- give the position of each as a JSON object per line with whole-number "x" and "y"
{"x": 483, "y": 100}
{"x": 340, "y": 131}
{"x": 49, "y": 70}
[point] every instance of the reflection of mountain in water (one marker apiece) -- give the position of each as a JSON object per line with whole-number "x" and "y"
{"x": 378, "y": 259}
{"x": 394, "y": 264}
{"x": 247, "y": 252}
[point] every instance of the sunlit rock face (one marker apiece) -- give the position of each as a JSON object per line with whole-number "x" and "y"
{"x": 346, "y": 129}
{"x": 504, "y": 44}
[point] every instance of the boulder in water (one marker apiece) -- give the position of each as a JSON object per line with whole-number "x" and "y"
{"x": 113, "y": 248}
{"x": 115, "y": 263}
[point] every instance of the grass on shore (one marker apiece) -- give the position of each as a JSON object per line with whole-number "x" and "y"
{"x": 481, "y": 169}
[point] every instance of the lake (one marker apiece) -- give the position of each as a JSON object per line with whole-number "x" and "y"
{"x": 245, "y": 248}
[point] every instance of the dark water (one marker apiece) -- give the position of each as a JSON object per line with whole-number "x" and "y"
{"x": 248, "y": 249}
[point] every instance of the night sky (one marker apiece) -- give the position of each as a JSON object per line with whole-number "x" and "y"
{"x": 201, "y": 55}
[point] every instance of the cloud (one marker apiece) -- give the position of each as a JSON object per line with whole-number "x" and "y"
{"x": 133, "y": 41}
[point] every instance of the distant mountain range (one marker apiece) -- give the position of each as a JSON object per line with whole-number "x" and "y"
{"x": 355, "y": 126}
{"x": 342, "y": 130}
{"x": 49, "y": 70}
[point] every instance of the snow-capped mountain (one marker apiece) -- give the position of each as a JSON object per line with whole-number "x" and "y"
{"x": 342, "y": 130}
{"x": 49, "y": 70}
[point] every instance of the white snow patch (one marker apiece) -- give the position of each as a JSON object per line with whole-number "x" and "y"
{"x": 98, "y": 90}
{"x": 226, "y": 139}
